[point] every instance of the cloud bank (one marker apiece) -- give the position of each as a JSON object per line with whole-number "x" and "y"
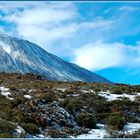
{"x": 96, "y": 39}
{"x": 98, "y": 56}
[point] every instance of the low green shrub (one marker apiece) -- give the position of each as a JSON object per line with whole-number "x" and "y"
{"x": 55, "y": 134}
{"x": 5, "y": 135}
{"x": 6, "y": 126}
{"x": 137, "y": 98}
{"x": 116, "y": 91}
{"x": 73, "y": 105}
{"x": 30, "y": 128}
{"x": 86, "y": 119}
{"x": 22, "y": 117}
{"x": 115, "y": 122}
{"x": 49, "y": 97}
{"x": 18, "y": 100}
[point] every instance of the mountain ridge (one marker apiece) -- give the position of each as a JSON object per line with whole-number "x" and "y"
{"x": 18, "y": 55}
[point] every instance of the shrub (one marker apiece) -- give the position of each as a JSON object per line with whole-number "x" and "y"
{"x": 5, "y": 108}
{"x": 21, "y": 117}
{"x": 73, "y": 105}
{"x": 5, "y": 135}
{"x": 18, "y": 100}
{"x": 137, "y": 98}
{"x": 2, "y": 96}
{"x": 13, "y": 88}
{"x": 86, "y": 119}
{"x": 30, "y": 128}
{"x": 6, "y": 126}
{"x": 122, "y": 134}
{"x": 49, "y": 97}
{"x": 97, "y": 89}
{"x": 1, "y": 82}
{"x": 115, "y": 122}
{"x": 56, "y": 134}
{"x": 116, "y": 91}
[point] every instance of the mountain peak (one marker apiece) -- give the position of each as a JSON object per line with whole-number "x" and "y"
{"x": 25, "y": 57}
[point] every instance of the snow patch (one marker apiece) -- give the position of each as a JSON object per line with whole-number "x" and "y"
{"x": 5, "y": 47}
{"x": 20, "y": 130}
{"x": 111, "y": 97}
{"x": 102, "y": 132}
{"x": 61, "y": 89}
{"x": 131, "y": 127}
{"x": 94, "y": 133}
{"x": 87, "y": 91}
{"x": 32, "y": 90}
{"x": 5, "y": 92}
{"x": 28, "y": 96}
{"x": 40, "y": 136}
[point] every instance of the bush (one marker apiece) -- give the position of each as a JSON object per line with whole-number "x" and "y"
{"x": 30, "y": 128}
{"x": 5, "y": 135}
{"x": 115, "y": 122}
{"x": 86, "y": 119}
{"x": 21, "y": 117}
{"x": 55, "y": 134}
{"x": 12, "y": 88}
{"x": 5, "y": 108}
{"x": 116, "y": 91}
{"x": 137, "y": 98}
{"x": 49, "y": 97}
{"x": 73, "y": 105}
{"x": 6, "y": 126}
{"x": 18, "y": 100}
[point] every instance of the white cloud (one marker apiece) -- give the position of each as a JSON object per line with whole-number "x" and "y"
{"x": 128, "y": 8}
{"x": 98, "y": 55}
{"x": 40, "y": 16}
{"x": 43, "y": 36}
{"x": 45, "y": 19}
{"x": 52, "y": 21}
{"x": 45, "y": 23}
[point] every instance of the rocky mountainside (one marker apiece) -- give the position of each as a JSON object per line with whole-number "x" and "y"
{"x": 17, "y": 55}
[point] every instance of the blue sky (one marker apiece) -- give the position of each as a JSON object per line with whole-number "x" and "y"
{"x": 103, "y": 37}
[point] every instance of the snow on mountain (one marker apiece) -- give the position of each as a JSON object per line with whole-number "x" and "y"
{"x": 17, "y": 55}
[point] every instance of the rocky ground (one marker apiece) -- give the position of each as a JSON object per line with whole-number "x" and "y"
{"x": 31, "y": 106}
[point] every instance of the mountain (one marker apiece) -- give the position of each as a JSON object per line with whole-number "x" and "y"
{"x": 18, "y": 55}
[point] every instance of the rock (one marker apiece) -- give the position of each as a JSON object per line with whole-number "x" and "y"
{"x": 50, "y": 115}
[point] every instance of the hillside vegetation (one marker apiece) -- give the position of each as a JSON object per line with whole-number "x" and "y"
{"x": 33, "y": 105}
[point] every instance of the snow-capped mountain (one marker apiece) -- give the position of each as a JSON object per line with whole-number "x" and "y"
{"x": 17, "y": 55}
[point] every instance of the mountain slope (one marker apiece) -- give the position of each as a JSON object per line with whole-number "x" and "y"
{"x": 17, "y": 55}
